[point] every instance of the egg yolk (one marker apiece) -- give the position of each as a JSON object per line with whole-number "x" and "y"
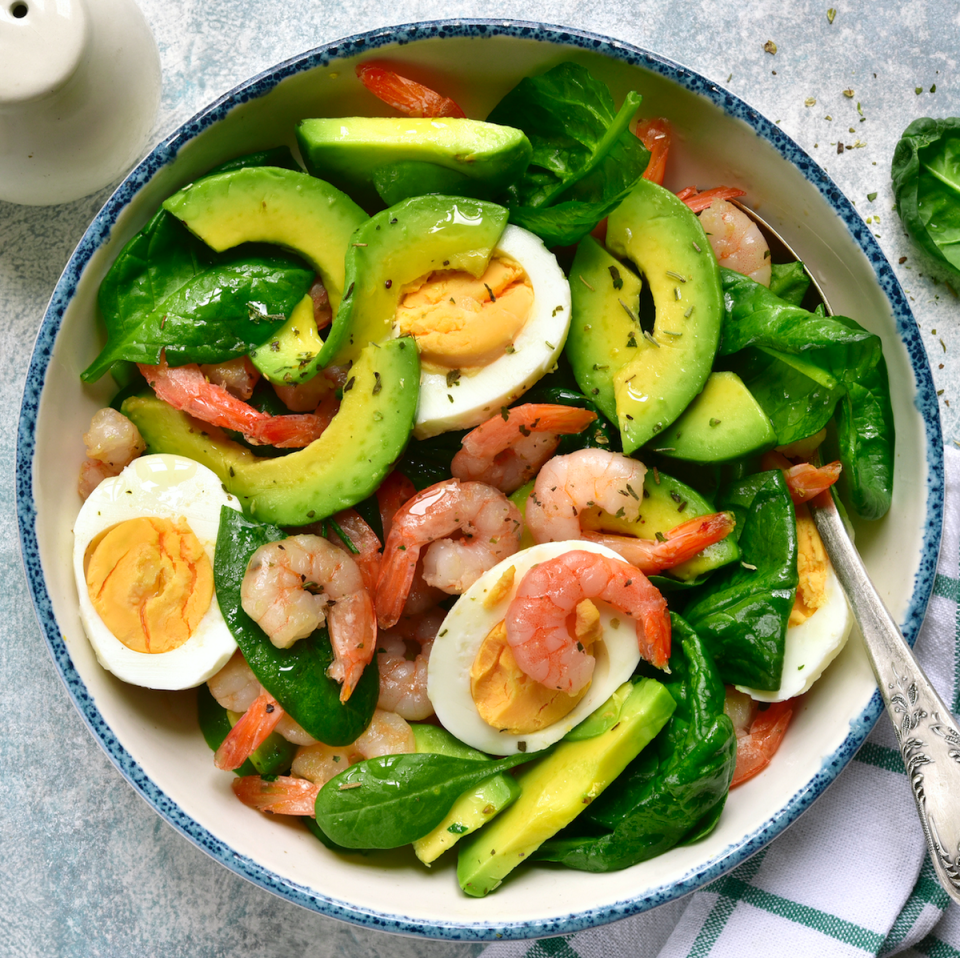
{"x": 812, "y": 565}
{"x": 150, "y": 581}
{"x": 507, "y": 698}
{"x": 462, "y": 322}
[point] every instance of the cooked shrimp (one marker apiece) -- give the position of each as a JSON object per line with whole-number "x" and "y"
{"x": 237, "y": 376}
{"x": 403, "y": 680}
{"x": 235, "y": 687}
{"x": 490, "y": 526}
{"x": 699, "y": 200}
{"x": 759, "y": 733}
{"x": 392, "y": 493}
{"x": 655, "y": 134}
{"x": 187, "y": 389}
{"x": 364, "y": 545}
{"x": 737, "y": 241}
{"x": 537, "y": 619}
{"x": 678, "y": 545}
{"x": 567, "y": 485}
{"x": 804, "y": 480}
{"x": 315, "y": 765}
{"x": 406, "y": 96}
{"x": 277, "y": 593}
{"x": 249, "y": 733}
{"x": 112, "y": 442}
{"x": 509, "y": 449}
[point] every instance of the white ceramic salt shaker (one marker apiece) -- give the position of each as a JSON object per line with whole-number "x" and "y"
{"x": 79, "y": 91}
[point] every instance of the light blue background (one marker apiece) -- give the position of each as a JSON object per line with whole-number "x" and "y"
{"x": 88, "y": 869}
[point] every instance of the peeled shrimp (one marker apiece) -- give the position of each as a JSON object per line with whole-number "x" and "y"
{"x": 737, "y": 241}
{"x": 237, "y": 376}
{"x": 509, "y": 449}
{"x": 537, "y": 620}
{"x": 490, "y": 526}
{"x": 112, "y": 442}
{"x": 678, "y": 545}
{"x": 759, "y": 733}
{"x": 315, "y": 765}
{"x": 403, "y": 680}
{"x": 567, "y": 485}
{"x": 276, "y": 594}
{"x": 187, "y": 389}
{"x": 699, "y": 200}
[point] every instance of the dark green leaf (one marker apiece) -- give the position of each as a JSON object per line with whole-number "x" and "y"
{"x": 789, "y": 281}
{"x": 741, "y": 614}
{"x": 296, "y": 677}
{"x": 565, "y": 223}
{"x": 926, "y": 188}
{"x": 393, "y": 800}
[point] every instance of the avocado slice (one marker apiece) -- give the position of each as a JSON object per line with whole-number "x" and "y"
{"x": 266, "y": 204}
{"x": 724, "y": 422}
{"x": 397, "y": 247}
{"x": 667, "y": 502}
{"x": 554, "y": 790}
{"x": 472, "y": 809}
{"x": 663, "y": 238}
{"x": 400, "y": 157}
{"x": 343, "y": 466}
{"x": 292, "y": 354}
{"x": 605, "y": 330}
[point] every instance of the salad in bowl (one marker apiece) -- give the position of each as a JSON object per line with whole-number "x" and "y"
{"x": 459, "y": 464}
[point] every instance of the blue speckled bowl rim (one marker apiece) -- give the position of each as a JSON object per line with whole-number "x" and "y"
{"x": 98, "y": 233}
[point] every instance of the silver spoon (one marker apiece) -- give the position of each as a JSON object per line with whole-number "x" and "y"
{"x": 927, "y": 732}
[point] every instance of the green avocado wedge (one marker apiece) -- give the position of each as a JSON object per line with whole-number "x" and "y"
{"x": 296, "y": 677}
{"x": 342, "y": 467}
{"x": 400, "y": 157}
{"x": 398, "y": 246}
{"x": 663, "y": 238}
{"x": 266, "y": 204}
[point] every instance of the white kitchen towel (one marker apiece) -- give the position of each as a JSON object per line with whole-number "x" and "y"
{"x": 850, "y": 878}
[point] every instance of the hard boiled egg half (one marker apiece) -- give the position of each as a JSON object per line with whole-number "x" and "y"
{"x": 819, "y": 623}
{"x": 470, "y": 677}
{"x": 484, "y": 341}
{"x": 143, "y": 560}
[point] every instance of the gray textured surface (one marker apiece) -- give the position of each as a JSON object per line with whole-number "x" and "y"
{"x": 88, "y": 868}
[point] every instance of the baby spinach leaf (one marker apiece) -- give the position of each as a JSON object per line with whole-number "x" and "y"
{"x": 789, "y": 281}
{"x": 218, "y": 313}
{"x": 741, "y": 614}
{"x": 842, "y": 357}
{"x": 393, "y": 800}
{"x": 583, "y": 151}
{"x": 926, "y": 189}
{"x": 674, "y": 790}
{"x": 296, "y": 677}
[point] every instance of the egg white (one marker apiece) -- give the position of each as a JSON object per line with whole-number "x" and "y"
{"x": 159, "y": 486}
{"x": 468, "y": 623}
{"x": 812, "y": 645}
{"x": 480, "y": 395}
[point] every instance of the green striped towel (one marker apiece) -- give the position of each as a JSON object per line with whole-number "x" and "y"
{"x": 830, "y": 886}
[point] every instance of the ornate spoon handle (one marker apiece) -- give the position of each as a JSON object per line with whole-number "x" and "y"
{"x": 928, "y": 734}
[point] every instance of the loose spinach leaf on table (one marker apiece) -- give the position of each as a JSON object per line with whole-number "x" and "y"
{"x": 741, "y": 613}
{"x": 926, "y": 188}
{"x": 850, "y": 361}
{"x": 583, "y": 152}
{"x": 296, "y": 677}
{"x": 675, "y": 789}
{"x": 393, "y": 800}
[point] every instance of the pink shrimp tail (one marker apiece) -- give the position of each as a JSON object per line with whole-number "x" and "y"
{"x": 804, "y": 480}
{"x": 681, "y": 543}
{"x": 759, "y": 745}
{"x": 249, "y": 733}
{"x": 699, "y": 201}
{"x": 283, "y": 796}
{"x": 353, "y": 636}
{"x": 187, "y": 389}
{"x": 364, "y": 540}
{"x": 392, "y": 493}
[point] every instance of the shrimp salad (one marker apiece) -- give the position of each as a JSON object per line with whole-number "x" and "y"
{"x": 481, "y": 484}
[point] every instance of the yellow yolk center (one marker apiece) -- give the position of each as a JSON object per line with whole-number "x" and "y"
{"x": 812, "y": 564}
{"x": 461, "y": 322}
{"x": 507, "y": 698}
{"x": 151, "y": 582}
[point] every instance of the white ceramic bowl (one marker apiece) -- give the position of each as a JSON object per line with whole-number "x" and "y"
{"x": 152, "y": 737}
